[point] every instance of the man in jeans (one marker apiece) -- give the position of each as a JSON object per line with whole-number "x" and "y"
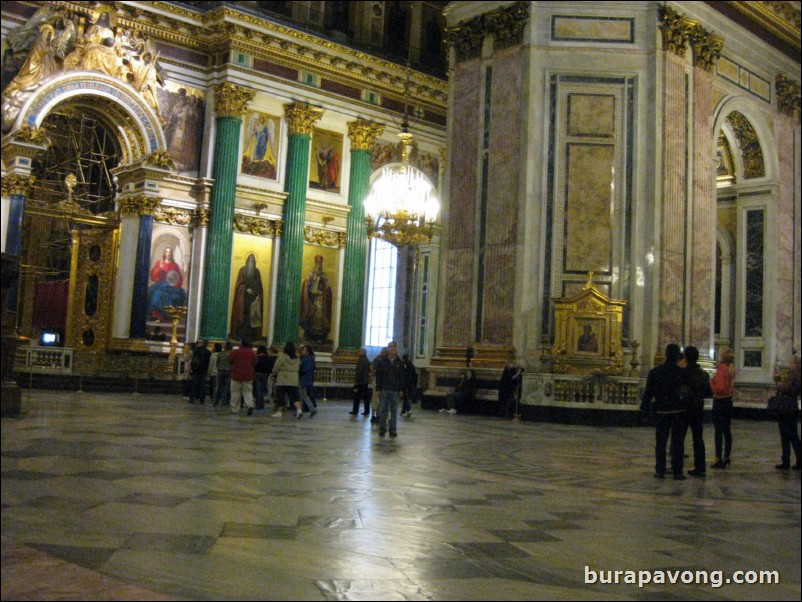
{"x": 243, "y": 370}
{"x": 389, "y": 385}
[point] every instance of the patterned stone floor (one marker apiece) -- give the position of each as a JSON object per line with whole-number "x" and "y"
{"x": 114, "y": 497}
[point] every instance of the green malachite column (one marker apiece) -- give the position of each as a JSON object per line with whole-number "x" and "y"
{"x": 300, "y": 119}
{"x": 362, "y": 134}
{"x": 230, "y": 104}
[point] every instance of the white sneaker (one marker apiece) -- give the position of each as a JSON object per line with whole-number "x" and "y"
{"x": 277, "y": 415}
{"x": 441, "y": 410}
{"x": 452, "y": 411}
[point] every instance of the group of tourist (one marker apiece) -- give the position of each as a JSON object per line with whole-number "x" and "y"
{"x": 675, "y": 393}
{"x": 244, "y": 378}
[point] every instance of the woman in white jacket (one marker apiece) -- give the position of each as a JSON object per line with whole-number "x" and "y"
{"x": 285, "y": 372}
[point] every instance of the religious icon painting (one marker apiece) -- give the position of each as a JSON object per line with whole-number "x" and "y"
{"x": 260, "y": 145}
{"x": 168, "y": 280}
{"x": 251, "y": 261}
{"x": 325, "y": 164}
{"x": 317, "y": 297}
{"x": 183, "y": 109}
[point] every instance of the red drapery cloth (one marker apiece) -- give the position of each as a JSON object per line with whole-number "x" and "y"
{"x": 50, "y": 304}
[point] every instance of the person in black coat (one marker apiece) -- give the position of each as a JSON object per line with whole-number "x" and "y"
{"x": 508, "y": 388}
{"x": 199, "y": 366}
{"x": 697, "y": 389}
{"x": 410, "y": 384}
{"x": 662, "y": 396}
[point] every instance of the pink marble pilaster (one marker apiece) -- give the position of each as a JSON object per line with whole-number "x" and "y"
{"x": 502, "y": 198}
{"x": 672, "y": 238}
{"x": 788, "y": 246}
{"x": 459, "y": 287}
{"x": 703, "y": 220}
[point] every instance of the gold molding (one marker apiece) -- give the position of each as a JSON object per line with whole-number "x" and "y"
{"x": 140, "y": 204}
{"x": 301, "y": 117}
{"x": 17, "y": 184}
{"x": 676, "y": 29}
{"x": 788, "y": 98}
{"x": 231, "y": 100}
{"x": 257, "y": 226}
{"x": 706, "y": 47}
{"x": 173, "y": 215}
{"x": 324, "y": 238}
{"x": 762, "y": 14}
{"x": 749, "y": 145}
{"x": 200, "y": 218}
{"x": 363, "y": 134}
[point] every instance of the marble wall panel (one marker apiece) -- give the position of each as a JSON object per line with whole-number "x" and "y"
{"x": 592, "y": 29}
{"x": 457, "y": 306}
{"x": 588, "y": 204}
{"x": 591, "y": 115}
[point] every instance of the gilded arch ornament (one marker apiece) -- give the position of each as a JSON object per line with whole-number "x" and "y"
{"x": 749, "y": 145}
{"x": 136, "y": 124}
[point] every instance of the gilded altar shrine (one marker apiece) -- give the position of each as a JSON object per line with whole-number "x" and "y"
{"x": 587, "y": 337}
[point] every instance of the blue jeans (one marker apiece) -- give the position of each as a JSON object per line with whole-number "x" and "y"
{"x": 388, "y": 404}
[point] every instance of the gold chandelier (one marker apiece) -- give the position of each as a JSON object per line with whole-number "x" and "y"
{"x": 401, "y": 207}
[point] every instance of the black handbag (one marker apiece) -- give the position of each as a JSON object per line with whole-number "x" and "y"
{"x": 781, "y": 405}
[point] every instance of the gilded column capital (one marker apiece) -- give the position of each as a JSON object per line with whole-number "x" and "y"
{"x": 231, "y": 100}
{"x": 36, "y": 135}
{"x": 17, "y": 184}
{"x": 200, "y": 217}
{"x": 676, "y": 29}
{"x": 788, "y": 99}
{"x": 301, "y": 117}
{"x": 363, "y": 134}
{"x": 256, "y": 225}
{"x": 140, "y": 204}
{"x": 706, "y": 48}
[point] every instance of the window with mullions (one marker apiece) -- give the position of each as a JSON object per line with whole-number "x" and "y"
{"x": 381, "y": 294}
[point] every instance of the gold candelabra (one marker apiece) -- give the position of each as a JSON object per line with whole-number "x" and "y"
{"x": 176, "y": 313}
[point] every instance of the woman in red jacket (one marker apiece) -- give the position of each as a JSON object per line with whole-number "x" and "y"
{"x": 722, "y": 384}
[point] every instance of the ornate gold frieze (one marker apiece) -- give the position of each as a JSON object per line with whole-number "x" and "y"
{"x": 749, "y": 144}
{"x": 17, "y": 184}
{"x": 676, "y": 29}
{"x": 706, "y": 46}
{"x": 200, "y": 218}
{"x": 788, "y": 99}
{"x": 140, "y": 204}
{"x": 173, "y": 215}
{"x": 780, "y": 18}
{"x": 231, "y": 100}
{"x": 256, "y": 225}
{"x": 324, "y": 238}
{"x": 363, "y": 134}
{"x": 301, "y": 117}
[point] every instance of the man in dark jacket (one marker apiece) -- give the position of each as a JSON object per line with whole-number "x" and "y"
{"x": 199, "y": 366}
{"x": 695, "y": 390}
{"x": 663, "y": 386}
{"x": 389, "y": 385}
{"x": 361, "y": 381}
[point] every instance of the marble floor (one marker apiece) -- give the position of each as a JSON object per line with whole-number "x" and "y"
{"x": 114, "y": 497}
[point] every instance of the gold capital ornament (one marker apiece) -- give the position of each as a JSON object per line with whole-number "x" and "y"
{"x": 17, "y": 184}
{"x": 301, "y": 117}
{"x": 363, "y": 134}
{"x": 139, "y": 205}
{"x": 231, "y": 100}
